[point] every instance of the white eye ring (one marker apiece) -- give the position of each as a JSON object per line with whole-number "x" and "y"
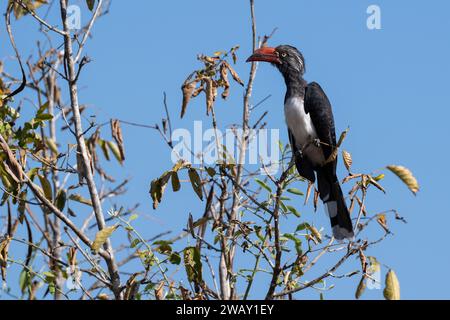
{"x": 284, "y": 54}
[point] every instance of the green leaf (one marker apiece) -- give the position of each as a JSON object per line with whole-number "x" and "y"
{"x": 49, "y": 275}
{"x": 42, "y": 108}
{"x": 24, "y": 280}
{"x": 115, "y": 150}
{"x": 193, "y": 264}
{"x": 44, "y": 117}
{"x": 163, "y": 247}
{"x": 392, "y": 288}
{"x": 50, "y": 143}
{"x": 32, "y": 173}
{"x": 263, "y": 184}
{"x": 293, "y": 211}
{"x": 135, "y": 242}
{"x": 175, "y": 182}
{"x": 52, "y": 288}
{"x": 297, "y": 242}
{"x": 196, "y": 182}
{"x": 61, "y": 198}
{"x": 295, "y": 191}
{"x": 46, "y": 187}
{"x": 302, "y": 226}
{"x": 104, "y": 147}
{"x": 80, "y": 199}
{"x": 175, "y": 258}
{"x": 133, "y": 217}
{"x": 90, "y": 4}
{"x": 283, "y": 207}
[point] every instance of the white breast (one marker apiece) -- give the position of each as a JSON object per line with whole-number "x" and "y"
{"x": 302, "y": 128}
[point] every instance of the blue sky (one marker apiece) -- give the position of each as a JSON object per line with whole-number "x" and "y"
{"x": 390, "y": 86}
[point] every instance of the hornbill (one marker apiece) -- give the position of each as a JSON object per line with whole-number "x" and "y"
{"x": 311, "y": 132}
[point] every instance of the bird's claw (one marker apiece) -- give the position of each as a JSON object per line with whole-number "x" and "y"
{"x": 316, "y": 142}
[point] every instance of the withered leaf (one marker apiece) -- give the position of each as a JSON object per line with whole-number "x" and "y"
{"x": 188, "y": 88}
{"x": 233, "y": 73}
{"x": 225, "y": 82}
{"x": 381, "y": 219}
{"x": 158, "y": 187}
{"x": 376, "y": 184}
{"x": 102, "y": 236}
{"x": 361, "y": 288}
{"x": 315, "y": 233}
{"x": 347, "y": 159}
{"x": 116, "y": 133}
{"x": 159, "y": 291}
{"x": 308, "y": 192}
{"x": 406, "y": 176}
{"x": 210, "y": 97}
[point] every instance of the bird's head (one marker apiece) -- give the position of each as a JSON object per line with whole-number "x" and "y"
{"x": 287, "y": 59}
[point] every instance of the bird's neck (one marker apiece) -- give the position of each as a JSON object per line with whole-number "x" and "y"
{"x": 295, "y": 84}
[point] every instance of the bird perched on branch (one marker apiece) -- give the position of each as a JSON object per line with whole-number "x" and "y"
{"x": 311, "y": 132}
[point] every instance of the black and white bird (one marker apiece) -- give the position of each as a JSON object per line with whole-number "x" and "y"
{"x": 312, "y": 135}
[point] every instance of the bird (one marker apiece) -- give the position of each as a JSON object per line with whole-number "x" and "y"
{"x": 311, "y": 130}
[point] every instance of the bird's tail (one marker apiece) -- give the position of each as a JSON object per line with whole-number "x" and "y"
{"x": 333, "y": 198}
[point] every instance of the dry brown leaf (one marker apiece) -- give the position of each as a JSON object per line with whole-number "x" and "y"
{"x": 198, "y": 91}
{"x": 376, "y": 184}
{"x": 116, "y": 133}
{"x": 224, "y": 78}
{"x": 72, "y": 256}
{"x": 11, "y": 162}
{"x": 363, "y": 260}
{"x": 381, "y": 219}
{"x": 188, "y": 88}
{"x": 308, "y": 192}
{"x": 361, "y": 288}
{"x": 4, "y": 246}
{"x": 315, "y": 233}
{"x": 351, "y": 177}
{"x": 233, "y": 73}
{"x": 347, "y": 159}
{"x": 209, "y": 95}
{"x": 334, "y": 154}
{"x": 159, "y": 291}
{"x": 406, "y": 176}
{"x": 207, "y": 59}
{"x": 185, "y": 293}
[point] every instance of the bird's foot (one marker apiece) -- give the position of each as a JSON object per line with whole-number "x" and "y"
{"x": 317, "y": 143}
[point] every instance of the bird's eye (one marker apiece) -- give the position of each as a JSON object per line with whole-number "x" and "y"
{"x": 283, "y": 54}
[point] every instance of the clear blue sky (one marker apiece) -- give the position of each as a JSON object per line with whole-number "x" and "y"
{"x": 390, "y": 86}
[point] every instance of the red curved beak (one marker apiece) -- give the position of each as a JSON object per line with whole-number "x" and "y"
{"x": 266, "y": 54}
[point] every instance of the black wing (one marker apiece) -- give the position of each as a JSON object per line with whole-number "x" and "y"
{"x": 318, "y": 107}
